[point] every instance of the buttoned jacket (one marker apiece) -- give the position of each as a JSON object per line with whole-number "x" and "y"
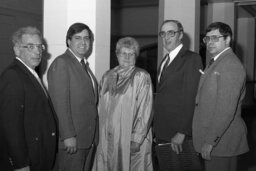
{"x": 217, "y": 118}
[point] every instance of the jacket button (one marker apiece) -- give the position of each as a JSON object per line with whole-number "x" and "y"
{"x": 36, "y": 138}
{"x": 196, "y": 104}
{"x": 53, "y": 133}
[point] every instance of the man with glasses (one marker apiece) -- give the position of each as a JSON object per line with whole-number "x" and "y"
{"x": 27, "y": 119}
{"x": 73, "y": 89}
{"x": 219, "y": 132}
{"x": 178, "y": 78}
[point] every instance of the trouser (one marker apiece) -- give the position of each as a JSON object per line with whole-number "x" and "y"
{"x": 79, "y": 161}
{"x": 221, "y": 164}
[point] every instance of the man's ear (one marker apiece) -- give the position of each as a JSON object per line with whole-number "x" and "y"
{"x": 181, "y": 35}
{"x": 68, "y": 43}
{"x": 16, "y": 50}
{"x": 228, "y": 40}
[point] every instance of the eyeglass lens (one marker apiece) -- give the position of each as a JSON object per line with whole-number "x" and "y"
{"x": 213, "y": 38}
{"x": 169, "y": 33}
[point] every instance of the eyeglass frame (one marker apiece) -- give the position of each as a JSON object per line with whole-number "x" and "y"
{"x": 213, "y": 38}
{"x": 170, "y": 33}
{"x": 123, "y": 54}
{"x": 32, "y": 47}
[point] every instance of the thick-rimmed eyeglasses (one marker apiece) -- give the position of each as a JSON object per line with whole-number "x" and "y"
{"x": 213, "y": 38}
{"x": 170, "y": 33}
{"x": 32, "y": 47}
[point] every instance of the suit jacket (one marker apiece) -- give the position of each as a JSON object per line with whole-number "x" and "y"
{"x": 28, "y": 122}
{"x": 175, "y": 96}
{"x": 74, "y": 100}
{"x": 217, "y": 118}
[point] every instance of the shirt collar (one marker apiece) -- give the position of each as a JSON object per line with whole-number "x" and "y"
{"x": 175, "y": 51}
{"x": 78, "y": 58}
{"x": 216, "y": 57}
{"x": 30, "y": 69}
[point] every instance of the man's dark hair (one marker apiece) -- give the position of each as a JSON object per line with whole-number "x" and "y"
{"x": 77, "y": 28}
{"x": 223, "y": 28}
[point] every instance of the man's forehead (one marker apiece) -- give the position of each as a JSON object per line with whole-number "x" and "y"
{"x": 82, "y": 33}
{"x": 169, "y": 25}
{"x": 30, "y": 38}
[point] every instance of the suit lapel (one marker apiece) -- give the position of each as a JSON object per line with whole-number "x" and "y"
{"x": 31, "y": 77}
{"x": 81, "y": 70}
{"x": 95, "y": 84}
{"x": 173, "y": 66}
{"x": 209, "y": 70}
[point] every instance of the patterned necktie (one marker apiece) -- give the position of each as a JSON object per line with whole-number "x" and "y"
{"x": 165, "y": 66}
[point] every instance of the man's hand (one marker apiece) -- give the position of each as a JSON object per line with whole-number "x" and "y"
{"x": 206, "y": 151}
{"x": 70, "y": 145}
{"x": 177, "y": 142}
{"x": 23, "y": 169}
{"x": 135, "y": 147}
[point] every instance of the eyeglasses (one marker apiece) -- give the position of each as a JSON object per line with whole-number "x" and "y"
{"x": 213, "y": 38}
{"x": 32, "y": 47}
{"x": 123, "y": 54}
{"x": 169, "y": 33}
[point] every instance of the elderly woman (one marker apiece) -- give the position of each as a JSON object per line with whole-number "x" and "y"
{"x": 125, "y": 109}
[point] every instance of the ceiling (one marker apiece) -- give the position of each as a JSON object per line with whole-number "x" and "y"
{"x": 248, "y": 5}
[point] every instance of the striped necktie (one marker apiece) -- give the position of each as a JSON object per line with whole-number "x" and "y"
{"x": 165, "y": 66}
{"x": 211, "y": 62}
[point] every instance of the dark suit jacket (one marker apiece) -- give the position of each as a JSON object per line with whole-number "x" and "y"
{"x": 73, "y": 98}
{"x": 27, "y": 121}
{"x": 175, "y": 96}
{"x": 217, "y": 119}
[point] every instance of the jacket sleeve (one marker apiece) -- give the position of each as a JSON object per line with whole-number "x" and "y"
{"x": 59, "y": 90}
{"x": 12, "y": 119}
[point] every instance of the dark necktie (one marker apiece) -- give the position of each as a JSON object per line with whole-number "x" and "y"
{"x": 85, "y": 66}
{"x": 165, "y": 66}
{"x": 211, "y": 62}
{"x": 91, "y": 77}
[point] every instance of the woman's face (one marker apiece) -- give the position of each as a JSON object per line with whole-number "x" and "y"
{"x": 126, "y": 57}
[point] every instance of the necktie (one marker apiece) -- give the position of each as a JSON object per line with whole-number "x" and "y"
{"x": 165, "y": 66}
{"x": 85, "y": 66}
{"x": 90, "y": 75}
{"x": 211, "y": 62}
{"x": 41, "y": 84}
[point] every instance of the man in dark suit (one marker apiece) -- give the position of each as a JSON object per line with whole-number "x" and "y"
{"x": 73, "y": 89}
{"x": 176, "y": 89}
{"x": 27, "y": 118}
{"x": 219, "y": 132}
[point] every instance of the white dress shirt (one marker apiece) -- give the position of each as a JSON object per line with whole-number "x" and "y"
{"x": 172, "y": 55}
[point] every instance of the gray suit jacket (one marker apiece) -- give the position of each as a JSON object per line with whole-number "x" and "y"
{"x": 74, "y": 100}
{"x": 217, "y": 118}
